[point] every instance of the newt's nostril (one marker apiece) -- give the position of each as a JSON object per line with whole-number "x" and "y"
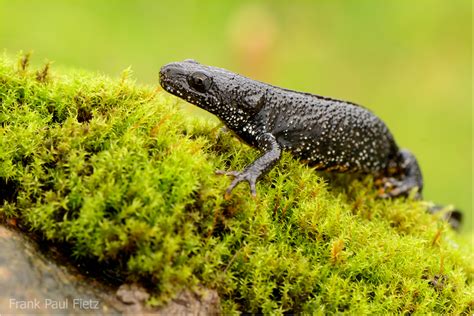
{"x": 165, "y": 73}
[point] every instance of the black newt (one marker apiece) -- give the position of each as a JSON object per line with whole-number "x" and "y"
{"x": 329, "y": 134}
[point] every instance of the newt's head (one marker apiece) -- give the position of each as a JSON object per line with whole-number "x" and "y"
{"x": 232, "y": 97}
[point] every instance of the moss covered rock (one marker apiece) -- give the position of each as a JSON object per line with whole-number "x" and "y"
{"x": 122, "y": 177}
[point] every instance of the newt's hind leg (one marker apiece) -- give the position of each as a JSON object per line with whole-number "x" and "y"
{"x": 407, "y": 177}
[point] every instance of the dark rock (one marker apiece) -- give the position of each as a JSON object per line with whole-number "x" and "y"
{"x": 202, "y": 302}
{"x": 31, "y": 282}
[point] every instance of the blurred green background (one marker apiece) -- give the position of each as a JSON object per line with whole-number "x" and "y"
{"x": 408, "y": 61}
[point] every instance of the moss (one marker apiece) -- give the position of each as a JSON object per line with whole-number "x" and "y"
{"x": 124, "y": 178}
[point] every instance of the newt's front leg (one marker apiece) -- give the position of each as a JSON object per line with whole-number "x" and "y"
{"x": 272, "y": 153}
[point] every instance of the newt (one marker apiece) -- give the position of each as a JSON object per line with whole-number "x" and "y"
{"x": 329, "y": 134}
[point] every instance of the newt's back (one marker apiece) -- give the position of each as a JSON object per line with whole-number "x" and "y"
{"x": 330, "y": 134}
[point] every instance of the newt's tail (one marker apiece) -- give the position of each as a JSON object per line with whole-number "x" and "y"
{"x": 449, "y": 214}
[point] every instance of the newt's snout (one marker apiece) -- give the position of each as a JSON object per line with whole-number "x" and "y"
{"x": 170, "y": 77}
{"x": 170, "y": 71}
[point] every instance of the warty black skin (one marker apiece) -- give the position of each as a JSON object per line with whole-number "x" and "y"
{"x": 329, "y": 134}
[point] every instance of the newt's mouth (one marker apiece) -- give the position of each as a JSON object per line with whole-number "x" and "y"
{"x": 169, "y": 73}
{"x": 173, "y": 79}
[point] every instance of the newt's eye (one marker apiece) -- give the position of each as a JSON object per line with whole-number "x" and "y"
{"x": 200, "y": 81}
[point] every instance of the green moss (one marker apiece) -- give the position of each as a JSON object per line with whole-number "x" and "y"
{"x": 124, "y": 177}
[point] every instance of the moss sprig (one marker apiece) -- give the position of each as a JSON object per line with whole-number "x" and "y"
{"x": 123, "y": 177}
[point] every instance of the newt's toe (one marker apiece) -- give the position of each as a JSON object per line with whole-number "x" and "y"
{"x": 392, "y": 188}
{"x": 239, "y": 177}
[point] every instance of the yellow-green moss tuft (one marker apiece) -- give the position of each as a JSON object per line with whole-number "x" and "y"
{"x": 125, "y": 178}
